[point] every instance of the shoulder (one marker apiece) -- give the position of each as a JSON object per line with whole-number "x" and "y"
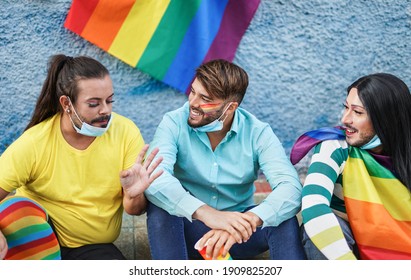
{"x": 42, "y": 130}
{"x": 249, "y": 121}
{"x": 179, "y": 113}
{"x": 335, "y": 150}
{"x": 121, "y": 122}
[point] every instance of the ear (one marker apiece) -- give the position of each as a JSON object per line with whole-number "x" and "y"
{"x": 233, "y": 106}
{"x": 65, "y": 103}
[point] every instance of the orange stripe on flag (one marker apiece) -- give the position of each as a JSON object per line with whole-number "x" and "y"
{"x": 105, "y": 22}
{"x": 394, "y": 235}
{"x": 79, "y": 14}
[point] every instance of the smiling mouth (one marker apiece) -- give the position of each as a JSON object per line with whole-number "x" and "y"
{"x": 194, "y": 113}
{"x": 349, "y": 131}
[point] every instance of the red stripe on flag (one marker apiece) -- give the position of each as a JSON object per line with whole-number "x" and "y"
{"x": 27, "y": 249}
{"x": 79, "y": 14}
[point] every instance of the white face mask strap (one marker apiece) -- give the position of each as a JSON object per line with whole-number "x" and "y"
{"x": 74, "y": 110}
{"x": 225, "y": 110}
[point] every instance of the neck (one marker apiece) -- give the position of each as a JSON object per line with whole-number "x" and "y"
{"x": 74, "y": 139}
{"x": 217, "y": 136}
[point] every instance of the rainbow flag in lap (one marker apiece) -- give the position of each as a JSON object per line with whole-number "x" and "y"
{"x": 378, "y": 207}
{"x": 167, "y": 39}
{"x": 29, "y": 236}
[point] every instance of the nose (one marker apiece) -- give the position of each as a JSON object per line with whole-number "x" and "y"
{"x": 346, "y": 117}
{"x": 105, "y": 109}
{"x": 193, "y": 100}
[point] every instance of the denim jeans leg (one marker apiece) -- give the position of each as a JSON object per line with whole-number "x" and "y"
{"x": 284, "y": 241}
{"x": 165, "y": 235}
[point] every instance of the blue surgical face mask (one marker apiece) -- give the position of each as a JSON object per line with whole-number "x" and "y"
{"x": 374, "y": 142}
{"x": 87, "y": 129}
{"x": 215, "y": 125}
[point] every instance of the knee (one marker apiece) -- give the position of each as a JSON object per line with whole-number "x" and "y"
{"x": 14, "y": 208}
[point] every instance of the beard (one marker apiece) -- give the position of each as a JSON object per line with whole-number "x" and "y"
{"x": 207, "y": 118}
{"x": 363, "y": 139}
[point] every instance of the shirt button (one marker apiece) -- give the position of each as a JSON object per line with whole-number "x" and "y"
{"x": 214, "y": 197}
{"x": 215, "y": 163}
{"x": 213, "y": 186}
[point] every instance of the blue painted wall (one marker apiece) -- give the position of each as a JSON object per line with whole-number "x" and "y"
{"x": 300, "y": 56}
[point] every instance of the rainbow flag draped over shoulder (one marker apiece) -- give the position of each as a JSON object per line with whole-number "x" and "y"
{"x": 378, "y": 207}
{"x": 167, "y": 39}
{"x": 308, "y": 140}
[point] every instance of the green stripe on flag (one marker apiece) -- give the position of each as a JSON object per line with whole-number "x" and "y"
{"x": 167, "y": 38}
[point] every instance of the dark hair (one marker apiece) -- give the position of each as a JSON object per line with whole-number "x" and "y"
{"x": 387, "y": 100}
{"x": 223, "y": 79}
{"x": 63, "y": 74}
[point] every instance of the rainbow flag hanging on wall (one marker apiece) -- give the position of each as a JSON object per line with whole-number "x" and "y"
{"x": 167, "y": 39}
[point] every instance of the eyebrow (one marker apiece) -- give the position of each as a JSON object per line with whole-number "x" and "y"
{"x": 358, "y": 106}
{"x": 354, "y": 105}
{"x": 203, "y": 95}
{"x": 98, "y": 98}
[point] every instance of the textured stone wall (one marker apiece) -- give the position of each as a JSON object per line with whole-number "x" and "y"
{"x": 300, "y": 56}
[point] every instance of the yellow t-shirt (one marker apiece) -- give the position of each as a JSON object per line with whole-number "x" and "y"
{"x": 80, "y": 189}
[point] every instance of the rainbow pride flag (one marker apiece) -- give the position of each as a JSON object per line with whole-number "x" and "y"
{"x": 167, "y": 39}
{"x": 378, "y": 208}
{"x": 29, "y": 236}
{"x": 308, "y": 140}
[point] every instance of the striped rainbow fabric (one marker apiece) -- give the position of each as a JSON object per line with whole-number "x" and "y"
{"x": 308, "y": 140}
{"x": 29, "y": 237}
{"x": 167, "y": 39}
{"x": 378, "y": 207}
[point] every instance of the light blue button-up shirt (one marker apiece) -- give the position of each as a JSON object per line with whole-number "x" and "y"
{"x": 195, "y": 175}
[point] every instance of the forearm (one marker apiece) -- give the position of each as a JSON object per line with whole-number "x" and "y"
{"x": 135, "y": 205}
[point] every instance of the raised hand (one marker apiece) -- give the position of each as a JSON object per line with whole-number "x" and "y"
{"x": 138, "y": 178}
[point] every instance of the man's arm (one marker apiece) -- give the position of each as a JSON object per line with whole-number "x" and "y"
{"x": 284, "y": 201}
{"x": 240, "y": 225}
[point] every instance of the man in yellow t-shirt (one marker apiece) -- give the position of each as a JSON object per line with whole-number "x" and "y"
{"x": 79, "y": 161}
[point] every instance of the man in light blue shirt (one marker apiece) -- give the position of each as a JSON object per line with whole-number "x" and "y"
{"x": 212, "y": 152}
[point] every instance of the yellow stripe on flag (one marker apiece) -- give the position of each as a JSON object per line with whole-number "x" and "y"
{"x": 137, "y": 30}
{"x": 389, "y": 192}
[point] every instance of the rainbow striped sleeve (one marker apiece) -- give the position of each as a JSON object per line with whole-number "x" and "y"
{"x": 167, "y": 39}
{"x": 29, "y": 237}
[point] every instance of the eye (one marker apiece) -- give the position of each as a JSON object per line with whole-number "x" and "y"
{"x": 358, "y": 112}
{"x": 110, "y": 101}
{"x": 92, "y": 105}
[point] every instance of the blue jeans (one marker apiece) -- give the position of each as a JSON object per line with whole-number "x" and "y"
{"x": 173, "y": 238}
{"x": 312, "y": 251}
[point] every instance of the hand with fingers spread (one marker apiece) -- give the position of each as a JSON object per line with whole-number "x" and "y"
{"x": 138, "y": 178}
{"x": 3, "y": 246}
{"x": 217, "y": 241}
{"x": 240, "y": 225}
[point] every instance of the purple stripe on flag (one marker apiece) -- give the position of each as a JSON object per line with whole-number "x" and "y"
{"x": 309, "y": 139}
{"x": 237, "y": 18}
{"x": 196, "y": 43}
